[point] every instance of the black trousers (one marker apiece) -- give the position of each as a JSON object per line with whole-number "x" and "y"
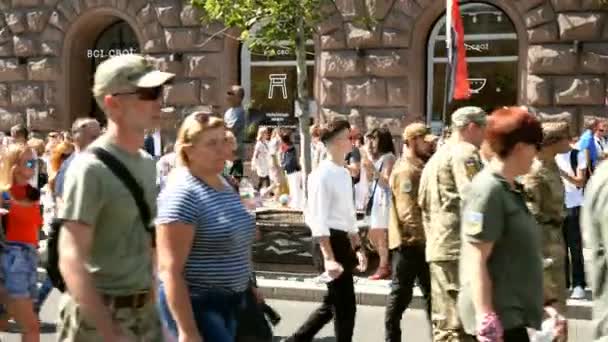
{"x": 339, "y": 303}
{"x": 408, "y": 264}
{"x": 575, "y": 265}
{"x": 263, "y": 182}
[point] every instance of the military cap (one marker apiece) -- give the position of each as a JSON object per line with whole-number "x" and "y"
{"x": 414, "y": 130}
{"x": 466, "y": 115}
{"x": 555, "y": 131}
{"x": 126, "y": 73}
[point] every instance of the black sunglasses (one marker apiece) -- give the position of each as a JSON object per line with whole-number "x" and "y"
{"x": 144, "y": 94}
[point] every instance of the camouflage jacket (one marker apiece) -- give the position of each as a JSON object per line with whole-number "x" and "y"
{"x": 544, "y": 193}
{"x": 442, "y": 184}
{"x": 405, "y": 221}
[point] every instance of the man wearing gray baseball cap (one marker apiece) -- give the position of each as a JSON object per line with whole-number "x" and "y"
{"x": 105, "y": 242}
{"x": 443, "y": 181}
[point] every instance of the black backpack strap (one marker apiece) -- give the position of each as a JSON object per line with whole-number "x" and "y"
{"x": 574, "y": 160}
{"x": 122, "y": 173}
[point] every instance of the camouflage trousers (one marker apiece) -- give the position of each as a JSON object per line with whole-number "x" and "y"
{"x": 444, "y": 312}
{"x": 142, "y": 325}
{"x": 554, "y": 280}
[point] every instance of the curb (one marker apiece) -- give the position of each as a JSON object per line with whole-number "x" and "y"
{"x": 308, "y": 291}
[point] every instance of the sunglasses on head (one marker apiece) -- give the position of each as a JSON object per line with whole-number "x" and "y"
{"x": 30, "y": 164}
{"x": 144, "y": 94}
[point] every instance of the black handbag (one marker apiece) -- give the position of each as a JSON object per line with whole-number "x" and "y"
{"x": 252, "y": 323}
{"x": 370, "y": 202}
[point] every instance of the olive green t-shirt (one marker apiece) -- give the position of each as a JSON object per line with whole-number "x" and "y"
{"x": 120, "y": 260}
{"x": 495, "y": 212}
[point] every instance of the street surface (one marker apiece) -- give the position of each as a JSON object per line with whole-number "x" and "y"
{"x": 369, "y": 326}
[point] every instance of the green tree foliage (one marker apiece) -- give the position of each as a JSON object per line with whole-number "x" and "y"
{"x": 270, "y": 25}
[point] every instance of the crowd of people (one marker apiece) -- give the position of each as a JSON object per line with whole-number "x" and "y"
{"x": 157, "y": 245}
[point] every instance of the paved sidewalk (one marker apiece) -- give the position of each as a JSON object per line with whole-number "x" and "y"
{"x": 304, "y": 287}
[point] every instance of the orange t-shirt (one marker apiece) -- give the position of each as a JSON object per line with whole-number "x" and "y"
{"x": 24, "y": 222}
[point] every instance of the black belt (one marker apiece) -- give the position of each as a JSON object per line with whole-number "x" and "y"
{"x": 134, "y": 301}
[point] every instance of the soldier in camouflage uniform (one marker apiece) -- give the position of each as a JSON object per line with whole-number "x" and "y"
{"x": 443, "y": 181}
{"x": 544, "y": 192}
{"x": 406, "y": 239}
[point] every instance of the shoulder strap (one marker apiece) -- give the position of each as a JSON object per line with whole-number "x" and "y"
{"x": 122, "y": 173}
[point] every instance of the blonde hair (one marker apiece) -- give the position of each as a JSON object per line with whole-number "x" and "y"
{"x": 261, "y": 132}
{"x": 9, "y": 160}
{"x": 192, "y": 129}
{"x": 37, "y": 145}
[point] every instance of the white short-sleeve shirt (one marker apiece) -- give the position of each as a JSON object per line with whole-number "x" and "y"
{"x": 573, "y": 195}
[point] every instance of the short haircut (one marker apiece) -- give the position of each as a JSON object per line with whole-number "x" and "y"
{"x": 333, "y": 128}
{"x": 508, "y": 126}
{"x": 238, "y": 90}
{"x": 81, "y": 123}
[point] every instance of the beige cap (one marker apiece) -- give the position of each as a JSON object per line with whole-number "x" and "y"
{"x": 126, "y": 73}
{"x": 414, "y": 130}
{"x": 466, "y": 115}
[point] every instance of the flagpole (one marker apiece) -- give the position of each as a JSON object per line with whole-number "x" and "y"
{"x": 448, "y": 68}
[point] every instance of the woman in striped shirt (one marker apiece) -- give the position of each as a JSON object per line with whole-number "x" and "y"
{"x": 204, "y": 238}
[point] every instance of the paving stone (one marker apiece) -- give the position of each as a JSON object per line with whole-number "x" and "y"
{"x": 11, "y": 70}
{"x": 580, "y": 26}
{"x": 23, "y": 95}
{"x": 547, "y": 33}
{"x": 539, "y": 15}
{"x": 580, "y": 91}
{"x": 37, "y": 20}
{"x": 43, "y": 69}
{"x": 182, "y": 93}
{"x": 341, "y": 64}
{"x": 367, "y": 92}
{"x": 552, "y": 59}
{"x": 168, "y": 14}
{"x": 385, "y": 63}
{"x": 538, "y": 91}
{"x": 361, "y": 37}
{"x": 594, "y": 58}
{"x": 397, "y": 90}
{"x": 15, "y": 21}
{"x": 203, "y": 66}
{"x": 24, "y": 46}
{"x": 191, "y": 15}
{"x": 331, "y": 92}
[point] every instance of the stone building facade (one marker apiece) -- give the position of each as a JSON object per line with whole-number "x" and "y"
{"x": 369, "y": 65}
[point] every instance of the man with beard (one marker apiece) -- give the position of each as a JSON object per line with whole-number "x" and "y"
{"x": 406, "y": 238}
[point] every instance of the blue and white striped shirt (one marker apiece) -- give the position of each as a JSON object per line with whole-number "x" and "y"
{"x": 224, "y": 231}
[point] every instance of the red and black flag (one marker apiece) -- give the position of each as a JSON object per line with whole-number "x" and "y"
{"x": 458, "y": 87}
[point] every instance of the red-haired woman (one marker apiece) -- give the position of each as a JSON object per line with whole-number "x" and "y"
{"x": 502, "y": 283}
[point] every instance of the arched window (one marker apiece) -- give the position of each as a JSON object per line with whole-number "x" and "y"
{"x": 118, "y": 38}
{"x": 492, "y": 58}
{"x": 270, "y": 84}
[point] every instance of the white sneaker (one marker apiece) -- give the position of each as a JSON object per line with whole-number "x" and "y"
{"x": 578, "y": 293}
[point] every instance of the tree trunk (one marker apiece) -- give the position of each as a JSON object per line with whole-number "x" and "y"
{"x": 304, "y": 119}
